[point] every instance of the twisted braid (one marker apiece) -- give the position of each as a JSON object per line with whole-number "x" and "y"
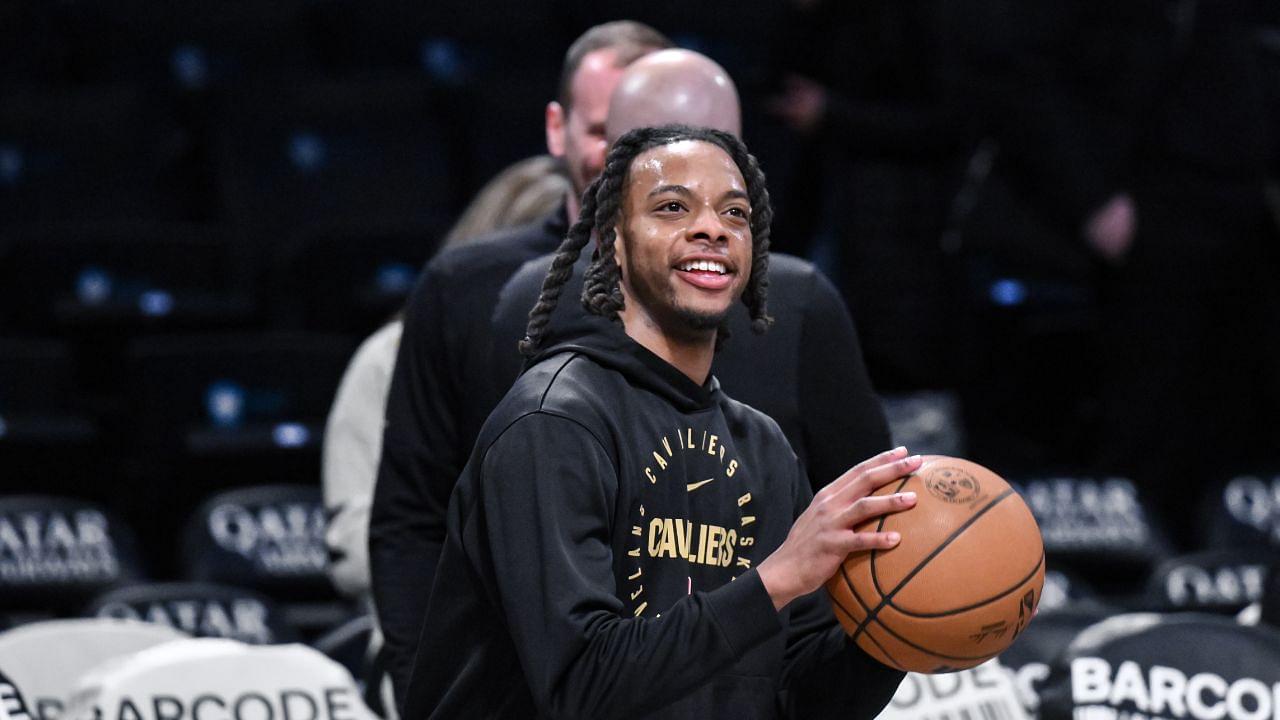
{"x": 601, "y": 210}
{"x": 561, "y": 269}
{"x": 756, "y": 294}
{"x": 601, "y": 286}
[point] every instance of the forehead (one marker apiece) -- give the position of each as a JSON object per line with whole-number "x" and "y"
{"x": 593, "y": 83}
{"x": 691, "y": 163}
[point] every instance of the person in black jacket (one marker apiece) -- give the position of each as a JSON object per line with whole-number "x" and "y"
{"x": 627, "y": 540}
{"x": 443, "y": 388}
{"x": 432, "y": 418}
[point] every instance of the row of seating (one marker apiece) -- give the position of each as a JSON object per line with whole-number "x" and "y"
{"x": 1067, "y": 663}
{"x": 120, "y": 669}
{"x": 58, "y": 554}
{"x": 161, "y": 278}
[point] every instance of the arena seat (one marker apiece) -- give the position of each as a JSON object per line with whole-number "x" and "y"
{"x": 1184, "y": 665}
{"x": 118, "y": 279}
{"x": 201, "y": 677}
{"x": 271, "y": 539}
{"x": 43, "y": 660}
{"x": 222, "y": 411}
{"x": 1219, "y": 581}
{"x": 199, "y": 610}
{"x": 95, "y": 154}
{"x": 349, "y": 280}
{"x": 303, "y": 153}
{"x": 1097, "y": 528}
{"x": 55, "y": 552}
{"x": 1244, "y": 511}
{"x": 45, "y": 434}
{"x": 1029, "y": 658}
{"x": 1065, "y": 589}
{"x": 348, "y": 644}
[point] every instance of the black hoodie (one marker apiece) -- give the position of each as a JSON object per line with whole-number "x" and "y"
{"x": 600, "y": 556}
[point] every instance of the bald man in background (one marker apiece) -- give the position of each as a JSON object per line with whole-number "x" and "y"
{"x": 807, "y": 372}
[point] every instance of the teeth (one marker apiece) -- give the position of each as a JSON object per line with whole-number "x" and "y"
{"x": 705, "y": 266}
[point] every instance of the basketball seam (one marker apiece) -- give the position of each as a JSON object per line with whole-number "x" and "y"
{"x": 875, "y": 642}
{"x": 980, "y": 603}
{"x": 926, "y": 650}
{"x": 885, "y": 598}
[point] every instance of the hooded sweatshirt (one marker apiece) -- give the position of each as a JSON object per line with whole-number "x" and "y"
{"x": 601, "y": 551}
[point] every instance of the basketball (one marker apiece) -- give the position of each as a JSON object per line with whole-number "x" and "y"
{"x": 962, "y": 583}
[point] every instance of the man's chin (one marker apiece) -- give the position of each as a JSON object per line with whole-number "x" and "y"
{"x": 701, "y": 321}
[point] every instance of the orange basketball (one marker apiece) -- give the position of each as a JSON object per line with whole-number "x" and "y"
{"x": 961, "y": 584}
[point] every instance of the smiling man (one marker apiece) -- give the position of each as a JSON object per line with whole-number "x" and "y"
{"x": 626, "y": 540}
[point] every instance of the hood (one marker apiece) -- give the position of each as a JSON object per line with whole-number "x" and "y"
{"x": 605, "y": 342}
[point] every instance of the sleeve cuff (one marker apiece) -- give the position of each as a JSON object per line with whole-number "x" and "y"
{"x": 744, "y": 612}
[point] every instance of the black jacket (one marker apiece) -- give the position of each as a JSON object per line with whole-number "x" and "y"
{"x": 432, "y": 422}
{"x": 600, "y": 558}
{"x": 454, "y": 367}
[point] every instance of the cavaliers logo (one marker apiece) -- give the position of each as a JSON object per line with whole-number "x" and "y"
{"x": 952, "y": 485}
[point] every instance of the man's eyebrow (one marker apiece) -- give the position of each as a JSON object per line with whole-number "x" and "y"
{"x": 677, "y": 189}
{"x": 736, "y": 194}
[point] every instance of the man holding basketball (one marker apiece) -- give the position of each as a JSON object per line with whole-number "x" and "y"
{"x": 626, "y": 540}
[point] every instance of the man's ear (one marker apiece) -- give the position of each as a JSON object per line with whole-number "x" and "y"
{"x": 556, "y": 118}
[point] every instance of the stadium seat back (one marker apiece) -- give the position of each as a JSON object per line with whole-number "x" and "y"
{"x": 42, "y": 660}
{"x": 199, "y": 610}
{"x": 55, "y": 552}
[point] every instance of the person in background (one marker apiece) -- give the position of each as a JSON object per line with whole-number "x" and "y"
{"x": 559, "y": 592}
{"x": 431, "y": 418}
{"x": 352, "y": 446}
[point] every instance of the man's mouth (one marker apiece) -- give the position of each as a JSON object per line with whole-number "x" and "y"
{"x": 706, "y": 274}
{"x": 704, "y": 266}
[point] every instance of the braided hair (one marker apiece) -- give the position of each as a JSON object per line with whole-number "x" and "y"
{"x": 601, "y": 207}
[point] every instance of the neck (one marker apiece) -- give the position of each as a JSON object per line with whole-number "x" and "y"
{"x": 690, "y": 354}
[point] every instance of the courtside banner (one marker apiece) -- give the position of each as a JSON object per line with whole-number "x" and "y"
{"x": 1146, "y": 666}
{"x": 214, "y": 679}
{"x": 985, "y": 692}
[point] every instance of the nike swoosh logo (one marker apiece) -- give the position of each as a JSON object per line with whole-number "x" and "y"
{"x": 694, "y": 486}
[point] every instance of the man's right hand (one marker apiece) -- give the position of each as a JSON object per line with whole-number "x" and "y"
{"x": 823, "y": 536}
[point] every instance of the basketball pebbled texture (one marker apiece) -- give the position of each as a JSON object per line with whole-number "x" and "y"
{"x": 961, "y": 584}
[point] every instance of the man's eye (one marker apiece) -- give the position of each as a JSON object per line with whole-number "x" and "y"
{"x": 672, "y": 206}
{"x": 738, "y": 212}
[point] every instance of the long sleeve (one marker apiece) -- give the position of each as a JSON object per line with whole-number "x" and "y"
{"x": 419, "y": 458}
{"x": 352, "y": 447}
{"x": 825, "y": 674}
{"x": 548, "y": 490}
{"x": 844, "y": 422}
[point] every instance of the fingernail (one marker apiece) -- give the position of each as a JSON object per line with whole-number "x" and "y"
{"x": 894, "y": 538}
{"x": 916, "y": 458}
{"x": 909, "y": 496}
{"x": 899, "y": 450}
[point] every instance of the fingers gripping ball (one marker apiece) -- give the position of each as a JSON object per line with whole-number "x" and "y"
{"x": 960, "y": 586}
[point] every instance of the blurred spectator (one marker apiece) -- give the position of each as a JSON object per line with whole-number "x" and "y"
{"x": 524, "y": 192}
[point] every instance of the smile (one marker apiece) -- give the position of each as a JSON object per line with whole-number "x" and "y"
{"x": 710, "y": 266}
{"x": 706, "y": 274}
